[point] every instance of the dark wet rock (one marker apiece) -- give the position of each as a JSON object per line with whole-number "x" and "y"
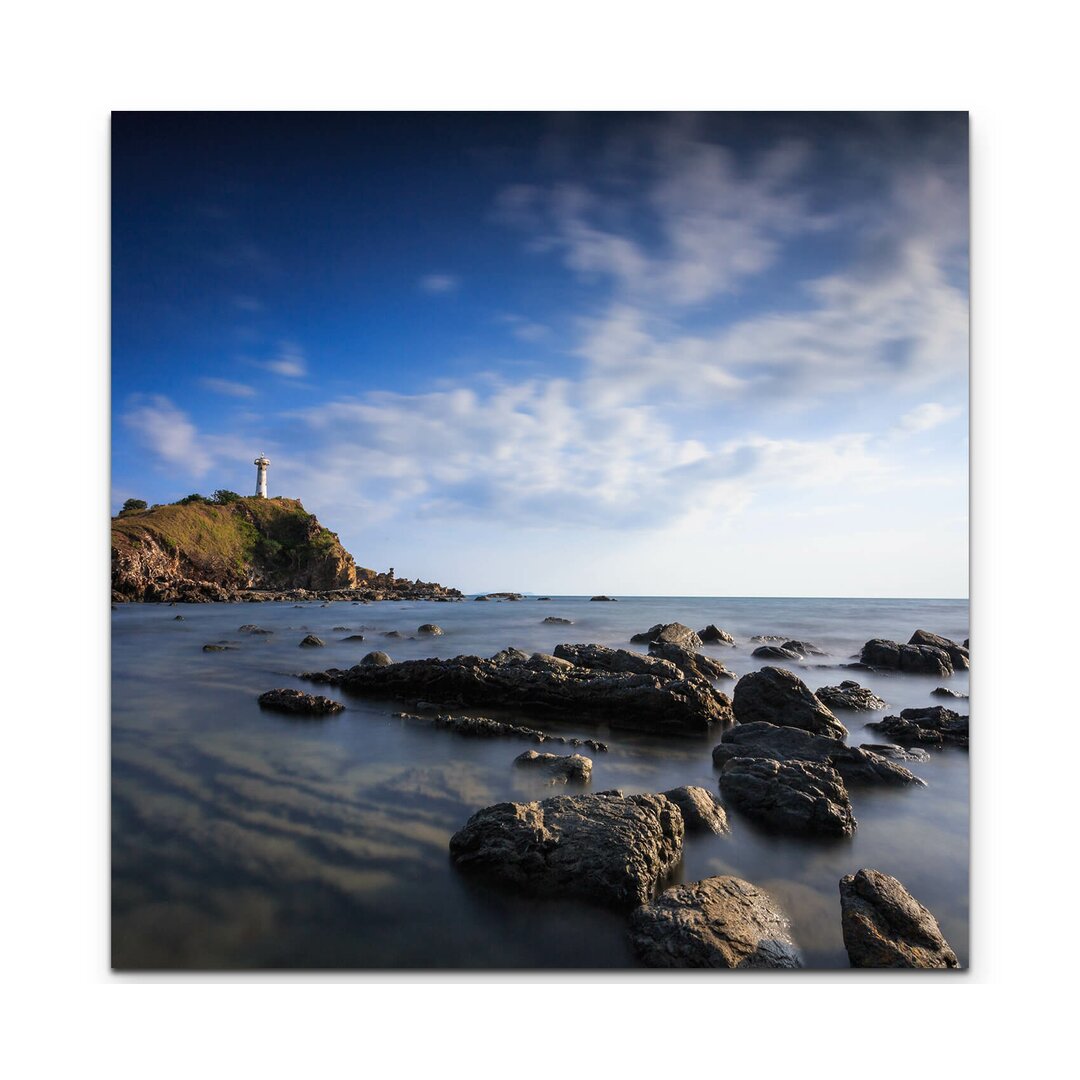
{"x": 563, "y": 768}
{"x": 251, "y": 628}
{"x": 713, "y": 635}
{"x": 719, "y": 922}
{"x": 178, "y": 618}
{"x": 858, "y": 766}
{"x": 916, "y": 659}
{"x": 691, "y": 664}
{"x": 933, "y": 726}
{"x": 354, "y": 637}
{"x": 644, "y": 702}
{"x": 601, "y": 658}
{"x": 776, "y": 696}
{"x": 487, "y": 728}
{"x": 850, "y": 695}
{"x": 392, "y": 633}
{"x": 510, "y": 655}
{"x": 775, "y": 652}
{"x": 967, "y": 644}
{"x": 669, "y": 634}
{"x": 886, "y": 927}
{"x": 942, "y": 691}
{"x": 609, "y": 599}
{"x": 766, "y": 638}
{"x": 702, "y": 811}
{"x": 793, "y": 796}
{"x": 958, "y": 654}
{"x": 430, "y": 628}
{"x": 804, "y": 648}
{"x": 299, "y": 703}
{"x": 313, "y": 642}
{"x": 594, "y": 745}
{"x": 606, "y": 848}
{"x": 897, "y": 753}
{"x": 546, "y": 662}
{"x": 554, "y": 620}
{"x": 376, "y": 659}
{"x": 340, "y": 629}
{"x": 481, "y": 597}
{"x": 543, "y": 598}
{"x": 218, "y": 647}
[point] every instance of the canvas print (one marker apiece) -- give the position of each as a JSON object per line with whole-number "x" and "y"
{"x": 539, "y": 541}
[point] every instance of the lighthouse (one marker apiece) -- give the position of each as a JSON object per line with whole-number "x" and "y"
{"x": 262, "y": 463}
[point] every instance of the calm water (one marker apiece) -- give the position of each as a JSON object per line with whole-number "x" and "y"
{"x": 244, "y": 839}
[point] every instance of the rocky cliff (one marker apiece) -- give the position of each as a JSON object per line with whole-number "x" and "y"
{"x": 205, "y": 550}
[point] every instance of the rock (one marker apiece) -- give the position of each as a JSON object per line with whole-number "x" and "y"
{"x": 804, "y": 648}
{"x": 886, "y": 927}
{"x": 917, "y": 659}
{"x": 341, "y": 629}
{"x": 610, "y": 599}
{"x": 669, "y": 634}
{"x": 564, "y": 768}
{"x": 481, "y": 597}
{"x": 376, "y": 659}
{"x": 313, "y": 642}
{"x": 178, "y": 618}
{"x": 546, "y": 662}
{"x": 896, "y": 753}
{"x": 958, "y": 654}
{"x": 942, "y": 691}
{"x": 850, "y": 695}
{"x": 793, "y": 796}
{"x": 719, "y": 922}
{"x": 702, "y": 811}
{"x": 691, "y": 664}
{"x": 543, "y": 598}
{"x": 299, "y": 703}
{"x": 713, "y": 635}
{"x": 251, "y": 628}
{"x": 776, "y": 696}
{"x": 354, "y": 637}
{"x": 430, "y": 628}
{"x": 856, "y": 765}
{"x": 767, "y": 638}
{"x": 775, "y": 652}
{"x": 392, "y": 633}
{"x": 601, "y": 658}
{"x": 217, "y": 648}
{"x": 485, "y": 727}
{"x": 655, "y": 702}
{"x": 554, "y": 620}
{"x": 606, "y": 848}
{"x": 934, "y": 726}
{"x": 510, "y": 655}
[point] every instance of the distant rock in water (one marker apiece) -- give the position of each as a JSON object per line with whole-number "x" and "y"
{"x": 376, "y": 659}
{"x": 251, "y": 628}
{"x": 958, "y": 654}
{"x": 776, "y": 652}
{"x": 200, "y": 550}
{"x": 606, "y": 848}
{"x": 850, "y": 695}
{"x": 564, "y": 768}
{"x": 299, "y": 703}
{"x": 702, "y": 811}
{"x": 354, "y": 637}
{"x": 942, "y": 691}
{"x": 792, "y": 796}
{"x": 713, "y": 635}
{"x": 932, "y": 726}
{"x": 313, "y": 642}
{"x": 719, "y": 922}
{"x": 486, "y": 728}
{"x": 554, "y": 620}
{"x": 610, "y": 599}
{"x": 656, "y": 699}
{"x": 433, "y": 629}
{"x": 917, "y": 659}
{"x": 886, "y": 927}
{"x": 804, "y": 648}
{"x": 218, "y": 647}
{"x": 777, "y": 696}
{"x": 669, "y": 634}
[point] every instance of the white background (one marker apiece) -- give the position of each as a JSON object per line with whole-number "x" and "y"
{"x": 66, "y": 66}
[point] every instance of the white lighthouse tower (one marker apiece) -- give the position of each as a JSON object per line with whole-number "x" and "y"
{"x": 262, "y": 463}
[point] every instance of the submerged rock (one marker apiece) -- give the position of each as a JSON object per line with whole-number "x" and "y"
{"x": 857, "y": 765}
{"x": 610, "y": 599}
{"x": 719, "y": 922}
{"x": 850, "y": 695}
{"x": 793, "y": 796}
{"x": 563, "y": 768}
{"x": 713, "y": 635}
{"x": 606, "y": 848}
{"x": 178, "y": 618}
{"x": 430, "y": 628}
{"x": 776, "y": 652}
{"x": 886, "y": 927}
{"x": 958, "y": 654}
{"x": 354, "y": 637}
{"x": 299, "y": 703}
{"x": 313, "y": 642}
{"x": 656, "y": 702}
{"x": 804, "y": 648}
{"x": 218, "y": 647}
{"x": 376, "y": 659}
{"x": 917, "y": 659}
{"x": 934, "y": 725}
{"x": 702, "y": 811}
{"x": 942, "y": 691}
{"x": 251, "y": 628}
{"x": 554, "y": 620}
{"x": 486, "y": 727}
{"x": 897, "y": 753}
{"x": 776, "y": 696}
{"x": 669, "y": 634}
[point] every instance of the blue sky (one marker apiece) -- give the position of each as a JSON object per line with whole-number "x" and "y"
{"x": 626, "y": 353}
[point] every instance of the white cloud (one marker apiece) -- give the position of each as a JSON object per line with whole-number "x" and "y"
{"x": 923, "y": 417}
{"x": 228, "y": 387}
{"x": 289, "y": 363}
{"x": 438, "y": 283}
{"x": 167, "y": 432}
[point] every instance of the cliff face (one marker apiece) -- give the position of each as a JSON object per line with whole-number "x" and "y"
{"x": 207, "y": 551}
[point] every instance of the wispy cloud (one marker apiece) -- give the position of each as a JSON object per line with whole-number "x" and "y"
{"x": 439, "y": 283}
{"x": 228, "y": 387}
{"x": 923, "y": 417}
{"x": 167, "y": 432}
{"x": 289, "y": 363}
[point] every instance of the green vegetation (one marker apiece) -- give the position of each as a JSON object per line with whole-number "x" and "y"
{"x": 132, "y": 505}
{"x": 223, "y": 497}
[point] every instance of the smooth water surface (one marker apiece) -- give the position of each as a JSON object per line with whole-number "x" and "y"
{"x": 246, "y": 839}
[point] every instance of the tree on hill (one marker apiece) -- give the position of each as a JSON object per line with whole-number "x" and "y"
{"x": 131, "y": 505}
{"x": 195, "y": 497}
{"x": 224, "y": 497}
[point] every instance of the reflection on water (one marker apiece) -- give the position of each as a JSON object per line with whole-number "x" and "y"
{"x": 247, "y": 839}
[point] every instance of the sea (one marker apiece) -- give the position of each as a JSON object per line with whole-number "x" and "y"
{"x": 248, "y": 840}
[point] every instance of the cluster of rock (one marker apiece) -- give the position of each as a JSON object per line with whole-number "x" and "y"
{"x": 933, "y": 726}
{"x": 851, "y": 696}
{"x": 561, "y": 768}
{"x": 298, "y": 703}
{"x": 924, "y": 654}
{"x": 789, "y": 650}
{"x": 487, "y": 728}
{"x": 651, "y": 695}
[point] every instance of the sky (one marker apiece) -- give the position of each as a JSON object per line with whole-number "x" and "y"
{"x": 641, "y": 354}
